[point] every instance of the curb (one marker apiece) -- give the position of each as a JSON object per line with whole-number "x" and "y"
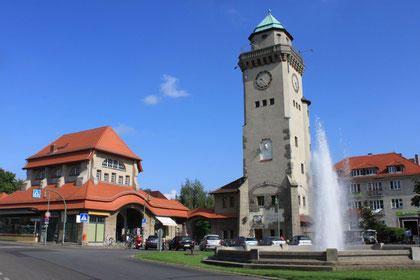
{"x": 206, "y": 268}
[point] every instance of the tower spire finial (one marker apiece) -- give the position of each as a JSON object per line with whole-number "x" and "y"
{"x": 269, "y": 11}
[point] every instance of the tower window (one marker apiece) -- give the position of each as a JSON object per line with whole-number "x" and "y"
{"x": 271, "y": 101}
{"x": 296, "y": 141}
{"x": 120, "y": 180}
{"x": 257, "y": 104}
{"x": 127, "y": 180}
{"x": 98, "y": 175}
{"x": 260, "y": 200}
{"x": 40, "y": 175}
{"x": 57, "y": 173}
{"x": 302, "y": 168}
{"x": 231, "y": 202}
{"x": 294, "y": 103}
{"x": 113, "y": 178}
{"x": 264, "y": 102}
{"x": 106, "y": 177}
{"x": 304, "y": 201}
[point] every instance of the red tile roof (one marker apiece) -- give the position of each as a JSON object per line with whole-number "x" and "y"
{"x": 209, "y": 214}
{"x": 75, "y": 146}
{"x": 104, "y": 196}
{"x": 59, "y": 159}
{"x": 3, "y": 195}
{"x": 381, "y": 161}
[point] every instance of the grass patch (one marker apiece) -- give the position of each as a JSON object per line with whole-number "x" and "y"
{"x": 180, "y": 258}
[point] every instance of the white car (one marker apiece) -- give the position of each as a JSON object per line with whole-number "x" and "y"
{"x": 300, "y": 240}
{"x": 210, "y": 242}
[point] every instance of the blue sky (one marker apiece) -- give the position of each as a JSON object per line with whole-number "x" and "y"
{"x": 162, "y": 75}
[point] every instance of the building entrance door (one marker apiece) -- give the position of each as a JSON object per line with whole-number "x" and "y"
{"x": 258, "y": 234}
{"x": 413, "y": 225}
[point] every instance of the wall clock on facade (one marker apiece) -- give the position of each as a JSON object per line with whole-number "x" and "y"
{"x": 295, "y": 82}
{"x": 263, "y": 80}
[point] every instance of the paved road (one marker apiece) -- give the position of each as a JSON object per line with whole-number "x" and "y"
{"x": 34, "y": 262}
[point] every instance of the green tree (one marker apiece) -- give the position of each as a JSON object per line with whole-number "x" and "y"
{"x": 415, "y": 201}
{"x": 193, "y": 196}
{"x": 368, "y": 219}
{"x": 201, "y": 228}
{"x": 8, "y": 182}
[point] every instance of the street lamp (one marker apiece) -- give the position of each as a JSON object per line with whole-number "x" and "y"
{"x": 65, "y": 213}
{"x": 278, "y": 215}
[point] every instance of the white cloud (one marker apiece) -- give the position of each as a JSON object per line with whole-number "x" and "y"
{"x": 151, "y": 100}
{"x": 169, "y": 87}
{"x": 123, "y": 129}
{"x": 171, "y": 195}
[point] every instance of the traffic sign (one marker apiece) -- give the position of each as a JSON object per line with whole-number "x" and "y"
{"x": 84, "y": 217}
{"x": 36, "y": 193}
{"x": 47, "y": 214}
{"x": 47, "y": 220}
{"x": 143, "y": 221}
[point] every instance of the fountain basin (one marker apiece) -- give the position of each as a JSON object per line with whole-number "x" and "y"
{"x": 328, "y": 260}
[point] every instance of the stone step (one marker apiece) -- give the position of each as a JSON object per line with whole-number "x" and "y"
{"x": 292, "y": 261}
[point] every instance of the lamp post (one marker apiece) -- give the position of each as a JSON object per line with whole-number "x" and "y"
{"x": 278, "y": 215}
{"x": 65, "y": 212}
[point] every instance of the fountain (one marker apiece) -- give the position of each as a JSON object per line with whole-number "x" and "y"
{"x": 330, "y": 202}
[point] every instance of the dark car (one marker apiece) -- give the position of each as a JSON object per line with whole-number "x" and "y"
{"x": 152, "y": 242}
{"x": 181, "y": 242}
{"x": 243, "y": 241}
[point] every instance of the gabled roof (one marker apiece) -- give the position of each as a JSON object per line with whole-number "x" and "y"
{"x": 231, "y": 187}
{"x": 103, "y": 196}
{"x": 381, "y": 161}
{"x": 77, "y": 146}
{"x": 394, "y": 163}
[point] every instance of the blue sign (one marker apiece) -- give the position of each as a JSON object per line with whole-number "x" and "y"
{"x": 84, "y": 217}
{"x": 143, "y": 221}
{"x": 36, "y": 193}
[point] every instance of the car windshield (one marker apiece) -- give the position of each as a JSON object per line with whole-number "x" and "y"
{"x": 304, "y": 238}
{"x": 250, "y": 239}
{"x": 185, "y": 238}
{"x": 275, "y": 238}
{"x": 152, "y": 237}
{"x": 213, "y": 238}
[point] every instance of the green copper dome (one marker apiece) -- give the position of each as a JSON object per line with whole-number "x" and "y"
{"x": 268, "y": 23}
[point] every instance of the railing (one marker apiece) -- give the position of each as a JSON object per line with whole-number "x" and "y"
{"x": 375, "y": 193}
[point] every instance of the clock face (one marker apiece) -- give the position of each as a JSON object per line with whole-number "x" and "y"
{"x": 263, "y": 80}
{"x": 295, "y": 82}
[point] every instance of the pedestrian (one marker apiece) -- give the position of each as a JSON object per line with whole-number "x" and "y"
{"x": 408, "y": 235}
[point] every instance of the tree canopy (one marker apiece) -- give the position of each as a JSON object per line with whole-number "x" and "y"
{"x": 415, "y": 200}
{"x": 193, "y": 195}
{"x": 8, "y": 182}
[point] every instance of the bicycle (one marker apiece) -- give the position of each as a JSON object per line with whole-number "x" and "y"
{"x": 109, "y": 241}
{"x": 129, "y": 243}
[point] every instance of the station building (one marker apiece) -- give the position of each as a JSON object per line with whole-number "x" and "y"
{"x": 386, "y": 183}
{"x": 96, "y": 173}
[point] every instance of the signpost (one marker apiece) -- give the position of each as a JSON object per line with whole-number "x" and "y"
{"x": 36, "y": 193}
{"x": 84, "y": 217}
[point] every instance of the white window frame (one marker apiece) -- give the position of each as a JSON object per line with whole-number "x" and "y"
{"x": 397, "y": 203}
{"x": 395, "y": 185}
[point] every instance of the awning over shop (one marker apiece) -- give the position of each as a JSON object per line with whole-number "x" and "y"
{"x": 166, "y": 221}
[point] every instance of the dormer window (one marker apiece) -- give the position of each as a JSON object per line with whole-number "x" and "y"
{"x": 75, "y": 171}
{"x": 40, "y": 175}
{"x": 57, "y": 173}
{"x": 364, "y": 172}
{"x": 112, "y": 163}
{"x": 395, "y": 169}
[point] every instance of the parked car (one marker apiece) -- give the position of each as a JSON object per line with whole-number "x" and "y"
{"x": 151, "y": 242}
{"x": 300, "y": 240}
{"x": 273, "y": 241}
{"x": 210, "y": 242}
{"x": 181, "y": 242}
{"x": 242, "y": 241}
{"x": 370, "y": 236}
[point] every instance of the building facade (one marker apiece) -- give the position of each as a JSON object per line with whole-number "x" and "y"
{"x": 385, "y": 183}
{"x": 96, "y": 173}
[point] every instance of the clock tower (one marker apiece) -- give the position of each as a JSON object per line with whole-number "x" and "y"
{"x": 275, "y": 197}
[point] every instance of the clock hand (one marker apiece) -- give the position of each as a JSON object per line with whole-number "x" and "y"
{"x": 264, "y": 81}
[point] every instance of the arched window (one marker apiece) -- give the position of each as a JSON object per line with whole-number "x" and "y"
{"x": 57, "y": 173}
{"x": 112, "y": 163}
{"x": 40, "y": 175}
{"x": 75, "y": 171}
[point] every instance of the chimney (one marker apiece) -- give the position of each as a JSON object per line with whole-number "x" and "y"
{"x": 416, "y": 156}
{"x": 369, "y": 154}
{"x": 52, "y": 148}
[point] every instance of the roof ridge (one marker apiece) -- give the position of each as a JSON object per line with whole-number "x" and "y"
{"x": 86, "y": 130}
